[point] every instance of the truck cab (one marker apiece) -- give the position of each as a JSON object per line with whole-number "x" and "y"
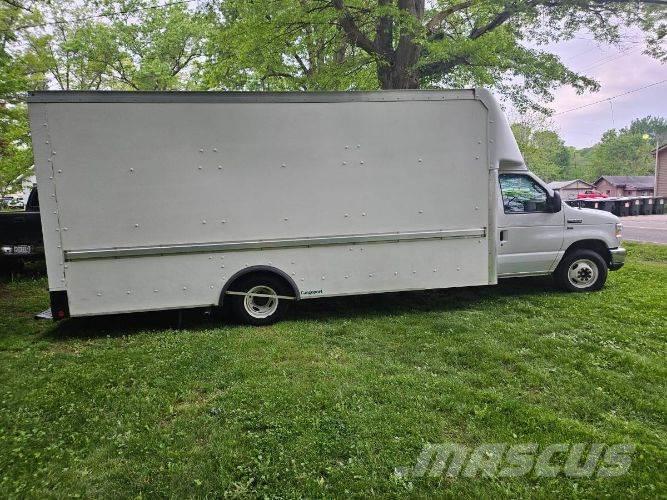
{"x": 540, "y": 235}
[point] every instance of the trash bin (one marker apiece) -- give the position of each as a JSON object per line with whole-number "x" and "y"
{"x": 659, "y": 205}
{"x": 646, "y": 207}
{"x": 635, "y": 206}
{"x": 607, "y": 205}
{"x": 614, "y": 206}
{"x": 623, "y": 207}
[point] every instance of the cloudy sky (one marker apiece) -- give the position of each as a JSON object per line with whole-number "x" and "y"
{"x": 618, "y": 69}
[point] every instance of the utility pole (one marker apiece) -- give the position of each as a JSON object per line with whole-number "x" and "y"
{"x": 658, "y": 140}
{"x": 657, "y": 165}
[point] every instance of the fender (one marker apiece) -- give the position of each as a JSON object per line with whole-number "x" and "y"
{"x": 264, "y": 269}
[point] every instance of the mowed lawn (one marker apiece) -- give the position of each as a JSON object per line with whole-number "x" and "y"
{"x": 331, "y": 401}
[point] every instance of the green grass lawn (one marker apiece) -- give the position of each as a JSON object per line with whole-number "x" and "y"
{"x": 332, "y": 400}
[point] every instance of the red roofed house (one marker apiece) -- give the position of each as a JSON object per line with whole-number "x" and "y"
{"x": 626, "y": 185}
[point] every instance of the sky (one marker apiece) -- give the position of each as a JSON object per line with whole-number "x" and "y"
{"x": 618, "y": 70}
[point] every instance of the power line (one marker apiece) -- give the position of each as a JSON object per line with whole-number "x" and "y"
{"x": 609, "y": 58}
{"x": 610, "y": 98}
{"x": 571, "y": 58}
{"x": 98, "y": 16}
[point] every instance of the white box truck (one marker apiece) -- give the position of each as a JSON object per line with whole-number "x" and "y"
{"x": 173, "y": 200}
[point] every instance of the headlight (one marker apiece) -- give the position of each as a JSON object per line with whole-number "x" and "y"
{"x": 619, "y": 230}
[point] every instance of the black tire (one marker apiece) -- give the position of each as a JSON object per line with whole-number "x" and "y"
{"x": 581, "y": 271}
{"x": 260, "y": 311}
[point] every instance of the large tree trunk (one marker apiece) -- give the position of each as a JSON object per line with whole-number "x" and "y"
{"x": 400, "y": 72}
{"x": 397, "y": 68}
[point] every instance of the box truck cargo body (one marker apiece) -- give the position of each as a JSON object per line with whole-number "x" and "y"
{"x": 154, "y": 201}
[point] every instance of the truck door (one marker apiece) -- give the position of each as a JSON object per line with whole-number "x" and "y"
{"x": 531, "y": 234}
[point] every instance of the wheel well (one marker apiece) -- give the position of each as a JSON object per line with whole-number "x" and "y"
{"x": 259, "y": 270}
{"x": 598, "y": 246}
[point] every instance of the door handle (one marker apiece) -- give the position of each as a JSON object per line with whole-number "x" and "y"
{"x": 503, "y": 236}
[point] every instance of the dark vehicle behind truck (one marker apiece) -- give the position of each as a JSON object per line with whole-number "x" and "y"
{"x": 21, "y": 233}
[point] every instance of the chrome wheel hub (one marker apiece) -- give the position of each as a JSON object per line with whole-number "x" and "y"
{"x": 583, "y": 273}
{"x": 261, "y": 301}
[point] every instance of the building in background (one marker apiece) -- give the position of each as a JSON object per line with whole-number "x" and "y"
{"x": 661, "y": 170}
{"x": 626, "y": 185}
{"x": 570, "y": 189}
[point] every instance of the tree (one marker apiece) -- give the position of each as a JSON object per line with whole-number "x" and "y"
{"x": 121, "y": 45}
{"x": 283, "y": 45}
{"x": 649, "y": 125}
{"x": 16, "y": 75}
{"x": 543, "y": 150}
{"x": 407, "y": 44}
{"x": 622, "y": 153}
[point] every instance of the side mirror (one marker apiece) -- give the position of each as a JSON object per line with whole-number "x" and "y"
{"x": 555, "y": 203}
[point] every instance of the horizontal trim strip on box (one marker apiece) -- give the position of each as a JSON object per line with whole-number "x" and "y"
{"x": 251, "y": 97}
{"x": 232, "y": 246}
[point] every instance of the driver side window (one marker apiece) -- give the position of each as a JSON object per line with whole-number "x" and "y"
{"x": 521, "y": 194}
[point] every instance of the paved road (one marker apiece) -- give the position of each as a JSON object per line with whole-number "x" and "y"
{"x": 648, "y": 228}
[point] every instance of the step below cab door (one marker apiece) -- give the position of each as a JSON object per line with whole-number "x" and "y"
{"x": 531, "y": 230}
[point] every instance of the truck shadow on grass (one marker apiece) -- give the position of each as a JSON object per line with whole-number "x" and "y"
{"x": 348, "y": 307}
{"x": 426, "y": 301}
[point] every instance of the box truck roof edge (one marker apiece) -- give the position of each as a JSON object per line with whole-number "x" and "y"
{"x": 506, "y": 150}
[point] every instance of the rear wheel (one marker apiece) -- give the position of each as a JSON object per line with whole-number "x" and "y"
{"x": 581, "y": 271}
{"x": 262, "y": 302}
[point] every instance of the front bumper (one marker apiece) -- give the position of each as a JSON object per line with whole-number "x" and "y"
{"x": 617, "y": 258}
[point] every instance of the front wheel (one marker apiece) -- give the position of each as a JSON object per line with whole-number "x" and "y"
{"x": 581, "y": 271}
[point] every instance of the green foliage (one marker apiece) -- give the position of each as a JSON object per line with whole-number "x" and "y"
{"x": 328, "y": 403}
{"x": 651, "y": 126}
{"x": 15, "y": 147}
{"x": 16, "y": 75}
{"x": 359, "y": 44}
{"x": 139, "y": 48}
{"x": 283, "y": 45}
{"x": 622, "y": 153}
{"x": 543, "y": 150}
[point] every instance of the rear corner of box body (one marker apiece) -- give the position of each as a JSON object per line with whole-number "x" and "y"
{"x": 45, "y": 158}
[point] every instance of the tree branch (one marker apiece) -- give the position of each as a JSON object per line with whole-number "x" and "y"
{"x": 352, "y": 31}
{"x": 302, "y": 65}
{"x": 440, "y": 16}
{"x": 442, "y": 67}
{"x": 491, "y": 25}
{"x": 17, "y": 5}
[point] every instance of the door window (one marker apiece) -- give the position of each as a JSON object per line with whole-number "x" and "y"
{"x": 521, "y": 194}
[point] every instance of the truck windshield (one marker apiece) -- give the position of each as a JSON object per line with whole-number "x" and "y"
{"x": 521, "y": 194}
